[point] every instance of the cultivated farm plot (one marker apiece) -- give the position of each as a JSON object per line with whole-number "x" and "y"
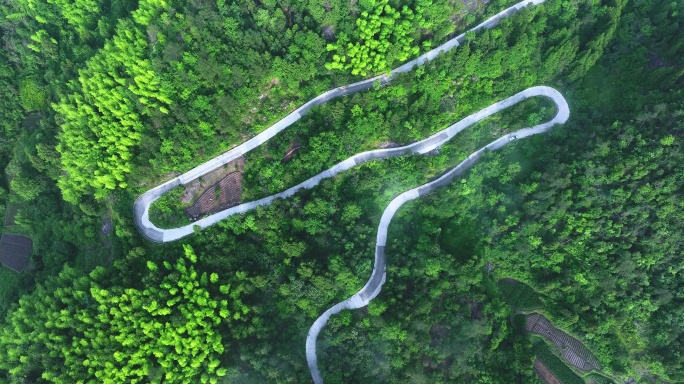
{"x": 224, "y": 194}
{"x": 194, "y": 189}
{"x": 15, "y": 251}
{"x": 555, "y": 365}
{"x": 544, "y": 374}
{"x": 572, "y": 349}
{"x": 595, "y": 378}
{"x": 520, "y": 296}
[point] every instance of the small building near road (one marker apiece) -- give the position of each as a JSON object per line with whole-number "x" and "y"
{"x": 15, "y": 251}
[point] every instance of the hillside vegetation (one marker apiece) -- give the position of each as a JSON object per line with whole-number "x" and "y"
{"x": 104, "y": 99}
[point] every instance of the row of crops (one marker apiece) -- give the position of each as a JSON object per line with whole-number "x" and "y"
{"x": 523, "y": 298}
{"x": 572, "y": 349}
{"x": 562, "y": 372}
{"x": 595, "y": 378}
{"x": 520, "y": 296}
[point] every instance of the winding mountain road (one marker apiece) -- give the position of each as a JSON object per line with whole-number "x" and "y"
{"x": 142, "y": 204}
{"x": 377, "y": 279}
{"x": 374, "y": 284}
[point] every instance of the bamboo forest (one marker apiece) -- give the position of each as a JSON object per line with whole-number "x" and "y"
{"x": 342, "y": 191}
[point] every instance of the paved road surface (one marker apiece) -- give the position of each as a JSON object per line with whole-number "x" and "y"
{"x": 142, "y": 203}
{"x": 377, "y": 278}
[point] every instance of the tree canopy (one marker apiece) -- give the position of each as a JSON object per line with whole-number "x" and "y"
{"x": 102, "y": 100}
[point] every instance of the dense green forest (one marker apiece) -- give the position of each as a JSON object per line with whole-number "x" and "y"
{"x": 105, "y": 99}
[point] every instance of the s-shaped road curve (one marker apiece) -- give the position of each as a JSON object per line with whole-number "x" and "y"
{"x": 374, "y": 284}
{"x": 142, "y": 203}
{"x": 377, "y": 279}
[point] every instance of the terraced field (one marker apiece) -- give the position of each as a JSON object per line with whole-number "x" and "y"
{"x": 572, "y": 349}
{"x": 595, "y": 378}
{"x": 520, "y": 296}
{"x": 555, "y": 366}
{"x": 15, "y": 251}
{"x": 544, "y": 373}
{"x": 222, "y": 195}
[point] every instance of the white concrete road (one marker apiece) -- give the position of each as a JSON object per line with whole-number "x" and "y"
{"x": 142, "y": 203}
{"x": 372, "y": 288}
{"x": 374, "y": 284}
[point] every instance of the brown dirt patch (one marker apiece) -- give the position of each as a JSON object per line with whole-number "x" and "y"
{"x": 544, "y": 374}
{"x": 224, "y": 194}
{"x": 387, "y": 144}
{"x": 195, "y": 188}
{"x": 295, "y": 146}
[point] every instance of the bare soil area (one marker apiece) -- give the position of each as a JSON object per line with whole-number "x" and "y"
{"x": 295, "y": 146}
{"x": 224, "y": 194}
{"x": 387, "y": 144}
{"x": 195, "y": 188}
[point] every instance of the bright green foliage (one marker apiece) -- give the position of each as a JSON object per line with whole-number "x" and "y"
{"x": 385, "y": 37}
{"x": 32, "y": 96}
{"x": 26, "y": 189}
{"x": 81, "y": 14}
{"x": 103, "y": 116}
{"x": 168, "y": 210}
{"x": 148, "y": 10}
{"x": 495, "y": 64}
{"x": 74, "y": 330}
{"x": 588, "y": 214}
